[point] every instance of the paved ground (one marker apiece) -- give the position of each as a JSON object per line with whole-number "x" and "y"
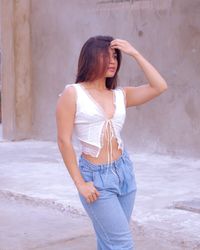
{"x": 40, "y": 208}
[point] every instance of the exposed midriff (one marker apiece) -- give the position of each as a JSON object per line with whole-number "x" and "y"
{"x": 103, "y": 155}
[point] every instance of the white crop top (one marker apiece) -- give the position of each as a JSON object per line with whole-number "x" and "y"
{"x": 91, "y": 122}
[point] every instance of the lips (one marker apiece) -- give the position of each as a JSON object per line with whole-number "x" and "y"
{"x": 111, "y": 68}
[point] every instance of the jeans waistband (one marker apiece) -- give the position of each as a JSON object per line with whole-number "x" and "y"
{"x": 96, "y": 167}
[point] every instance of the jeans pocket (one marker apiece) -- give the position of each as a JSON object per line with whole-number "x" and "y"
{"x": 87, "y": 175}
{"x": 98, "y": 180}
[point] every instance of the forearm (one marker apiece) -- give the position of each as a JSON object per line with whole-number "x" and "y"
{"x": 154, "y": 78}
{"x": 69, "y": 158}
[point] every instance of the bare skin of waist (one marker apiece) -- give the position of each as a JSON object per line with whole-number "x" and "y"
{"x": 103, "y": 155}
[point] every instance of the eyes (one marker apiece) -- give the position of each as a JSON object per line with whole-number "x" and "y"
{"x": 114, "y": 56}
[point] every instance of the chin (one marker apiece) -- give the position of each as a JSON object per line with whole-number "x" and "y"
{"x": 110, "y": 75}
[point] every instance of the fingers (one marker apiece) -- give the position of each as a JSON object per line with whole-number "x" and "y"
{"x": 117, "y": 42}
{"x": 114, "y": 44}
{"x": 93, "y": 195}
{"x": 124, "y": 46}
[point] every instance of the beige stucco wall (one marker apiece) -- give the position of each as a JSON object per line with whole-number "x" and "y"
{"x": 16, "y": 69}
{"x": 166, "y": 32}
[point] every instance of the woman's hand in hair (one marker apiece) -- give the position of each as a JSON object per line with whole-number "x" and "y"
{"x": 124, "y": 46}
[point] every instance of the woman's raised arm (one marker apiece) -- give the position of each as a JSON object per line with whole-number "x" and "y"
{"x": 156, "y": 84}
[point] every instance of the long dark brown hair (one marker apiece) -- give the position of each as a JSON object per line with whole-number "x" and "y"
{"x": 94, "y": 60}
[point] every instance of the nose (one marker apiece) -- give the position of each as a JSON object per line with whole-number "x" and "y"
{"x": 112, "y": 60}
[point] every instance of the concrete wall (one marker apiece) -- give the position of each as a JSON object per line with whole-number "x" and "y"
{"x": 166, "y": 32}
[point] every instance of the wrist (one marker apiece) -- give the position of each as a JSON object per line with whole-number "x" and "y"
{"x": 135, "y": 54}
{"x": 79, "y": 183}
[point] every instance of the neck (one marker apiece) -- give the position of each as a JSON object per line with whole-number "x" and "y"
{"x": 99, "y": 84}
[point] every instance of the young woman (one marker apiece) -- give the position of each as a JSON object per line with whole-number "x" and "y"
{"x": 95, "y": 108}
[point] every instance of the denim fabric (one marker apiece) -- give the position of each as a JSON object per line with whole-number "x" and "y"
{"x": 111, "y": 212}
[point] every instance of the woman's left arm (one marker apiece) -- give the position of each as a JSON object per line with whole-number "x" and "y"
{"x": 143, "y": 93}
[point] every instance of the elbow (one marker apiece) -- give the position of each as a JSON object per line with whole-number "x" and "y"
{"x": 163, "y": 87}
{"x": 63, "y": 142}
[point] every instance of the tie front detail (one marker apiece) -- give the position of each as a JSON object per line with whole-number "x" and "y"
{"x": 91, "y": 122}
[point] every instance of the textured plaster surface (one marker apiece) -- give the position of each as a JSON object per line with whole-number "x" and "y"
{"x": 166, "y": 32}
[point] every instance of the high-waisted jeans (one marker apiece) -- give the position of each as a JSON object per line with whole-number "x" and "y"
{"x": 111, "y": 212}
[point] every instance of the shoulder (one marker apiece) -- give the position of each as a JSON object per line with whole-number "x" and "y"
{"x": 66, "y": 108}
{"x": 68, "y": 96}
{"x": 69, "y": 90}
{"x": 122, "y": 91}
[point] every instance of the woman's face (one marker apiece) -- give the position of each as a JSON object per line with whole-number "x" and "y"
{"x": 112, "y": 66}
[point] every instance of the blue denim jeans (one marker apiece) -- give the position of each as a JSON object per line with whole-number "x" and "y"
{"x": 111, "y": 212}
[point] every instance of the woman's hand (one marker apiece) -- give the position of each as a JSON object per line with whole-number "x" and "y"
{"x": 88, "y": 190}
{"x": 124, "y": 46}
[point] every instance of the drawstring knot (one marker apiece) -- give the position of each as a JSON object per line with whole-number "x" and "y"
{"x": 109, "y": 136}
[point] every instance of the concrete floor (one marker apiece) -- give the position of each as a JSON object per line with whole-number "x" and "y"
{"x": 40, "y": 208}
